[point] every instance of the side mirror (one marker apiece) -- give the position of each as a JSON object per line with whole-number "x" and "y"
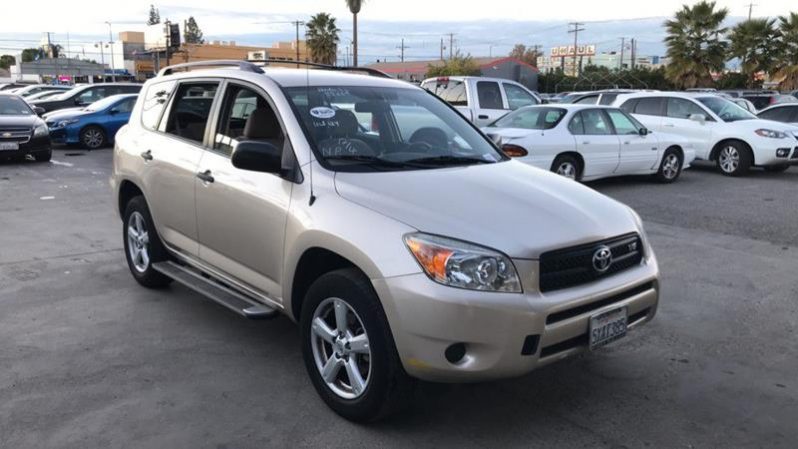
{"x": 644, "y": 131}
{"x": 113, "y": 111}
{"x": 39, "y": 110}
{"x": 257, "y": 156}
{"x": 544, "y": 101}
{"x": 700, "y": 118}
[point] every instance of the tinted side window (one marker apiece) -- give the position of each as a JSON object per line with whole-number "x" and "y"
{"x": 782, "y": 114}
{"x": 154, "y": 102}
{"x": 190, "y": 110}
{"x": 518, "y": 97}
{"x": 589, "y": 99}
{"x": 681, "y": 108}
{"x": 595, "y": 123}
{"x": 246, "y": 115}
{"x": 576, "y": 126}
{"x": 131, "y": 89}
{"x": 490, "y": 97}
{"x": 628, "y": 106}
{"x": 649, "y": 106}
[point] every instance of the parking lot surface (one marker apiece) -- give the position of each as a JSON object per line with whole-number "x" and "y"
{"x": 89, "y": 359}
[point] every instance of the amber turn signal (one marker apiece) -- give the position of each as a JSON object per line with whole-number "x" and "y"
{"x": 514, "y": 150}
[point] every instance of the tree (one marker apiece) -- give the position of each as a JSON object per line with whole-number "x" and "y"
{"x": 155, "y": 16}
{"x": 55, "y": 50}
{"x": 786, "y": 65}
{"x": 694, "y": 46}
{"x": 322, "y": 38}
{"x": 191, "y": 32}
{"x": 458, "y": 65}
{"x": 354, "y": 7}
{"x": 734, "y": 80}
{"x": 528, "y": 55}
{"x": 7, "y": 61}
{"x": 32, "y": 54}
{"x": 756, "y": 43}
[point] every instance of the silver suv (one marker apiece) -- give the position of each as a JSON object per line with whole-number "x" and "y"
{"x": 402, "y": 241}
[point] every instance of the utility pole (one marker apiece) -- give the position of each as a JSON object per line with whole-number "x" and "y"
{"x": 297, "y": 23}
{"x": 442, "y": 48}
{"x": 634, "y": 53}
{"x": 111, "y": 44}
{"x": 102, "y": 56}
{"x": 451, "y": 45}
{"x": 536, "y": 49}
{"x": 168, "y": 25}
{"x": 623, "y": 44}
{"x": 751, "y": 10}
{"x": 402, "y": 47}
{"x": 576, "y": 31}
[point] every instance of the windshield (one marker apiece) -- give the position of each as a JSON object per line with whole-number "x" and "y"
{"x": 13, "y": 105}
{"x": 385, "y": 129}
{"x": 725, "y": 109}
{"x": 99, "y": 105}
{"x": 531, "y": 118}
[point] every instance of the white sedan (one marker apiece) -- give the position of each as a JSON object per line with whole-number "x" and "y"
{"x": 586, "y": 142}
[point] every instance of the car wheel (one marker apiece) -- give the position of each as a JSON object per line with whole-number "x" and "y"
{"x": 671, "y": 166}
{"x": 44, "y": 156}
{"x": 143, "y": 247}
{"x": 777, "y": 168}
{"x": 734, "y": 159}
{"x": 92, "y": 137}
{"x": 568, "y": 166}
{"x": 348, "y": 349}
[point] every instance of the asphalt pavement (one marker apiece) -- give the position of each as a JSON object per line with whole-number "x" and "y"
{"x": 89, "y": 359}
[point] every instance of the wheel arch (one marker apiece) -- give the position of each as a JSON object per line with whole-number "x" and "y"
{"x": 127, "y": 191}
{"x": 716, "y": 148}
{"x": 576, "y": 155}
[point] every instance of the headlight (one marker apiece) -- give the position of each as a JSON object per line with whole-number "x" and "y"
{"x": 464, "y": 265}
{"x": 41, "y": 131}
{"x": 771, "y": 133}
{"x": 642, "y": 231}
{"x": 63, "y": 123}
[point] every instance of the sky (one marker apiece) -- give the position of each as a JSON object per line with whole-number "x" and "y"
{"x": 479, "y": 31}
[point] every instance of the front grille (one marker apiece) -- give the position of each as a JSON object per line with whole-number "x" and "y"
{"x": 20, "y": 135}
{"x": 584, "y": 308}
{"x": 569, "y": 267}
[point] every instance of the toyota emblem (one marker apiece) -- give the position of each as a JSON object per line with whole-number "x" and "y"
{"x": 602, "y": 259}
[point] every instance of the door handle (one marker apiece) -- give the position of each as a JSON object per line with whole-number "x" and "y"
{"x": 626, "y": 142}
{"x": 669, "y": 125}
{"x": 205, "y": 176}
{"x": 482, "y": 117}
{"x": 586, "y": 142}
{"x": 147, "y": 155}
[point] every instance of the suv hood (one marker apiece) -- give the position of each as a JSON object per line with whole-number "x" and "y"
{"x": 759, "y": 123}
{"x": 512, "y": 207}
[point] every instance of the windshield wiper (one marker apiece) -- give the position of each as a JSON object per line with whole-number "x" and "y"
{"x": 448, "y": 160}
{"x": 371, "y": 161}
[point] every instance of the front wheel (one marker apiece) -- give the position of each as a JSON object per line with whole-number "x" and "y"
{"x": 92, "y": 137}
{"x": 568, "y": 166}
{"x": 670, "y": 168}
{"x": 143, "y": 248}
{"x": 44, "y": 156}
{"x": 777, "y": 168}
{"x": 734, "y": 159}
{"x": 348, "y": 349}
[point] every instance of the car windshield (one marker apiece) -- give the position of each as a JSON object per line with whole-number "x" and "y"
{"x": 99, "y": 105}
{"x": 725, "y": 109}
{"x": 387, "y": 129}
{"x": 13, "y": 105}
{"x": 531, "y": 118}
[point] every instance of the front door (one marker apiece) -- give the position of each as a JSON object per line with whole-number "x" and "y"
{"x": 489, "y": 103}
{"x": 596, "y": 142}
{"x": 639, "y": 153}
{"x": 241, "y": 215}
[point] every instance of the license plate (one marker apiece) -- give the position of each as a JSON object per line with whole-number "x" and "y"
{"x": 607, "y": 327}
{"x": 9, "y": 146}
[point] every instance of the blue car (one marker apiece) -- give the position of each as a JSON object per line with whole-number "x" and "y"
{"x": 93, "y": 126}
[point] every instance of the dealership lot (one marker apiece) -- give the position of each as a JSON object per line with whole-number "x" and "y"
{"x": 91, "y": 359}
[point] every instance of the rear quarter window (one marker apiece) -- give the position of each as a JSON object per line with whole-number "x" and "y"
{"x": 155, "y": 100}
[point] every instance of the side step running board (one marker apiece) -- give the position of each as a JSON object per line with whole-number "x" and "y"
{"x": 222, "y": 294}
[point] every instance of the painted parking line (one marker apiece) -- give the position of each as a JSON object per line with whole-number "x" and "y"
{"x": 65, "y": 164}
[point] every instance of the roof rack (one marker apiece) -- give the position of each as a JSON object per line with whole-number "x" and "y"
{"x": 366, "y": 70}
{"x": 247, "y": 66}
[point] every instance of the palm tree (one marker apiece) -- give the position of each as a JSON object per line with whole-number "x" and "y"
{"x": 322, "y": 39}
{"x": 756, "y": 43}
{"x": 786, "y": 67}
{"x": 694, "y": 46}
{"x": 354, "y": 7}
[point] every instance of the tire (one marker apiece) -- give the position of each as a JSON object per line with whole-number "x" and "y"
{"x": 386, "y": 388}
{"x": 777, "y": 168}
{"x": 670, "y": 167}
{"x": 93, "y": 137}
{"x": 44, "y": 156}
{"x": 734, "y": 159}
{"x": 567, "y": 166}
{"x": 143, "y": 251}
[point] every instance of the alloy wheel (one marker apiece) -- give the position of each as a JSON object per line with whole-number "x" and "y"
{"x": 567, "y": 169}
{"x": 341, "y": 348}
{"x": 138, "y": 239}
{"x": 729, "y": 159}
{"x": 92, "y": 138}
{"x": 670, "y": 167}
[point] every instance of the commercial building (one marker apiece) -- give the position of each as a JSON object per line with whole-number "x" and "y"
{"x": 64, "y": 70}
{"x": 503, "y": 67}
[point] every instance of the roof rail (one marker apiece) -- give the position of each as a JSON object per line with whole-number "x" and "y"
{"x": 366, "y": 70}
{"x": 242, "y": 65}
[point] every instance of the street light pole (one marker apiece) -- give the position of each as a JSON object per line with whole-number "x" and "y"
{"x": 111, "y": 44}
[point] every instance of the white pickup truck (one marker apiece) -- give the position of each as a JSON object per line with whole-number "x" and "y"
{"x": 481, "y": 100}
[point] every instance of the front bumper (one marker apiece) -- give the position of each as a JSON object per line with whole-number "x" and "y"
{"x": 33, "y": 146}
{"x": 775, "y": 151}
{"x": 65, "y": 135}
{"x": 505, "y": 334}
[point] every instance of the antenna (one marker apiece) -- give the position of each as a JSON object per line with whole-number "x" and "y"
{"x": 310, "y": 151}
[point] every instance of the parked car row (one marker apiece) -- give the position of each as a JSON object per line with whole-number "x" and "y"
{"x": 22, "y": 132}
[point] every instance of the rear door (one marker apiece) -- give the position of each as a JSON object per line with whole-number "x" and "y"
{"x": 677, "y": 121}
{"x": 649, "y": 111}
{"x": 596, "y": 142}
{"x": 638, "y": 153}
{"x": 489, "y": 103}
{"x": 241, "y": 214}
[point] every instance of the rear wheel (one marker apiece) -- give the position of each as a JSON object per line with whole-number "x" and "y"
{"x": 568, "y": 166}
{"x": 777, "y": 168}
{"x": 92, "y": 137}
{"x": 734, "y": 159}
{"x": 671, "y": 166}
{"x": 143, "y": 247}
{"x": 348, "y": 349}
